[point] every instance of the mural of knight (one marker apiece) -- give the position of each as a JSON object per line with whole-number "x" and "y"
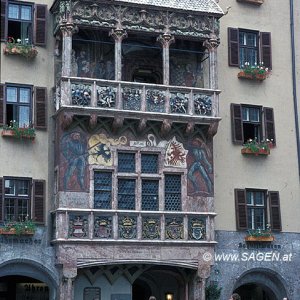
{"x": 137, "y": 108}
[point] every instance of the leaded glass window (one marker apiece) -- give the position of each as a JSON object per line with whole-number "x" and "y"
{"x": 150, "y": 197}
{"x": 149, "y": 163}
{"x": 126, "y": 194}
{"x": 172, "y": 192}
{"x": 102, "y": 190}
{"x": 126, "y": 162}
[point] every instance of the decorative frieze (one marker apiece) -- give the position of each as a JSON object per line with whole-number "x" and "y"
{"x": 128, "y": 227}
{"x": 202, "y": 105}
{"x": 151, "y": 228}
{"x": 131, "y": 98}
{"x": 106, "y": 96}
{"x": 197, "y": 228}
{"x": 174, "y": 228}
{"x": 155, "y": 100}
{"x": 78, "y": 226}
{"x": 179, "y": 103}
{"x": 81, "y": 94}
{"x": 103, "y": 227}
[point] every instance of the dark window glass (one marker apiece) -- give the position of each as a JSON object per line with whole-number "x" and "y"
{"x": 252, "y": 123}
{"x": 102, "y": 190}
{"x": 150, "y": 163}
{"x": 172, "y": 192}
{"x": 256, "y": 209}
{"x": 126, "y": 194}
{"x": 150, "y": 199}
{"x": 126, "y": 162}
{"x": 248, "y": 48}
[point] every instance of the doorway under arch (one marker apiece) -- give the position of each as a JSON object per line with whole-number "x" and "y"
{"x": 261, "y": 284}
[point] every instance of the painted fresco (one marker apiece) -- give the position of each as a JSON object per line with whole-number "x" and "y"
{"x": 100, "y": 151}
{"x": 74, "y": 161}
{"x": 175, "y": 154}
{"x": 200, "y": 168}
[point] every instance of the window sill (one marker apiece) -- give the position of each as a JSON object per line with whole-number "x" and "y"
{"x": 13, "y": 232}
{"x": 259, "y": 152}
{"x": 256, "y": 2}
{"x": 250, "y": 238}
{"x": 11, "y": 133}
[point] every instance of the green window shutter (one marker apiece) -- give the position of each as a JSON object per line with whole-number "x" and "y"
{"x": 233, "y": 47}
{"x": 241, "y": 209}
{"x": 275, "y": 216}
{"x": 265, "y": 49}
{"x": 39, "y": 201}
{"x": 237, "y": 124}
{"x": 269, "y": 124}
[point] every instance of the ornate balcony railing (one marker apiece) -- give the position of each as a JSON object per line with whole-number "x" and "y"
{"x": 138, "y": 98}
{"x": 110, "y": 225}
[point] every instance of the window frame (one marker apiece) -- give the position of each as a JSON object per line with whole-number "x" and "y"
{"x": 138, "y": 176}
{"x": 16, "y": 198}
{"x": 31, "y": 21}
{"x": 247, "y": 48}
{"x": 18, "y": 103}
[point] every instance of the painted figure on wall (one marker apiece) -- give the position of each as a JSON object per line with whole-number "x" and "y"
{"x": 74, "y": 151}
{"x": 200, "y": 168}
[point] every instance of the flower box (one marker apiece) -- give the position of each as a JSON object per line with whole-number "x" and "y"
{"x": 251, "y": 238}
{"x": 259, "y": 152}
{"x": 22, "y": 134}
{"x": 256, "y": 2}
{"x": 12, "y": 231}
{"x": 259, "y": 77}
{"x": 19, "y": 47}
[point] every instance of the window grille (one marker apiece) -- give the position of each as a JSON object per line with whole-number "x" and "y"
{"x": 126, "y": 162}
{"x": 126, "y": 194}
{"x": 102, "y": 190}
{"x": 150, "y": 194}
{"x": 172, "y": 192}
{"x": 149, "y": 163}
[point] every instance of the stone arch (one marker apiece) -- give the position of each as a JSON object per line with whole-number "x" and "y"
{"x": 32, "y": 269}
{"x": 268, "y": 279}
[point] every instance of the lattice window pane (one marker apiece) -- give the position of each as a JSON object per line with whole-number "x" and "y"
{"x": 22, "y": 209}
{"x": 150, "y": 163}
{"x": 172, "y": 192}
{"x": 126, "y": 162}
{"x": 150, "y": 194}
{"x": 126, "y": 194}
{"x": 102, "y": 190}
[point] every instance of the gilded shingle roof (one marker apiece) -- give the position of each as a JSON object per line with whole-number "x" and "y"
{"x": 207, "y": 6}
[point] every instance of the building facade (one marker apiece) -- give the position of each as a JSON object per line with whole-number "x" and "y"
{"x": 257, "y": 188}
{"x": 27, "y": 265}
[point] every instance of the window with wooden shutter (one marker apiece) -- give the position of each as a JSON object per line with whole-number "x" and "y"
{"x": 3, "y": 21}
{"x": 233, "y": 47}
{"x": 274, "y": 205}
{"x": 40, "y": 24}
{"x": 265, "y": 43}
{"x": 1, "y": 199}
{"x": 237, "y": 124}
{"x": 241, "y": 209}
{"x": 40, "y": 108}
{"x": 38, "y": 200}
{"x": 2, "y": 90}
{"x": 269, "y": 124}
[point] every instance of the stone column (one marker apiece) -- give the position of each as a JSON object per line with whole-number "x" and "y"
{"x": 66, "y": 284}
{"x": 166, "y": 40}
{"x": 67, "y": 29}
{"x": 211, "y": 44}
{"x": 118, "y": 34}
{"x": 199, "y": 288}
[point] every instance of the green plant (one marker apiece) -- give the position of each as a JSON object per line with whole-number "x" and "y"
{"x": 260, "y": 232}
{"x": 20, "y": 227}
{"x": 18, "y": 47}
{"x": 212, "y": 292}
{"x": 255, "y": 71}
{"x": 255, "y": 146}
{"x": 20, "y": 132}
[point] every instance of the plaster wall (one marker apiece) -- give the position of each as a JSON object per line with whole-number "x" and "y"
{"x": 278, "y": 171}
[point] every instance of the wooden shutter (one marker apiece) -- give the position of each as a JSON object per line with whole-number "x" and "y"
{"x": 3, "y": 21}
{"x": 1, "y": 198}
{"x": 275, "y": 218}
{"x": 265, "y": 44}
{"x": 40, "y": 108}
{"x": 2, "y": 90}
{"x": 38, "y": 200}
{"x": 269, "y": 124}
{"x": 40, "y": 24}
{"x": 241, "y": 209}
{"x": 233, "y": 47}
{"x": 237, "y": 124}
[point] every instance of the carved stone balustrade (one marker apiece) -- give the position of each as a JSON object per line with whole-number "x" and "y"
{"x": 127, "y": 225}
{"x": 138, "y": 100}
